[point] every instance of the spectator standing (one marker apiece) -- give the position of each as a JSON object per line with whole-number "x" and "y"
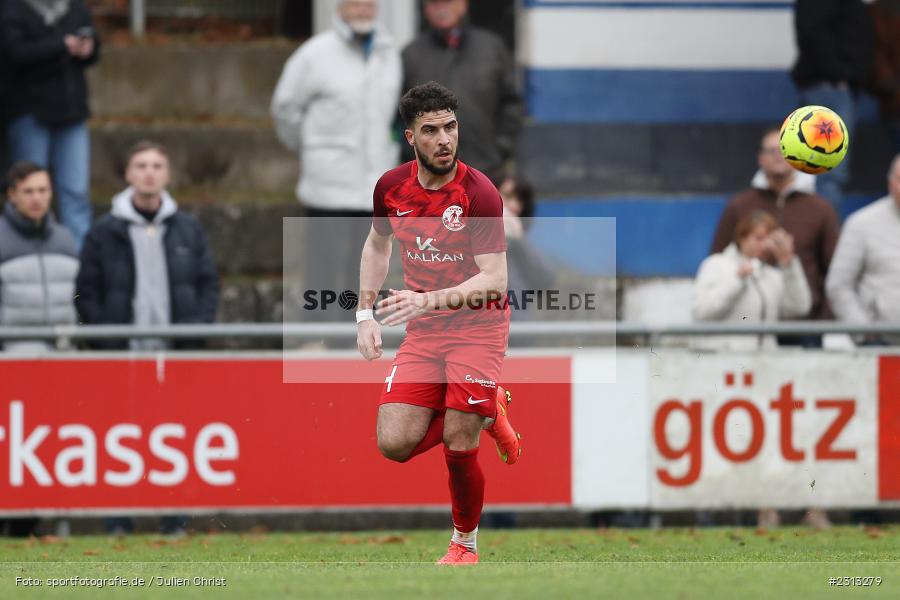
{"x": 334, "y": 106}
{"x": 477, "y": 66}
{"x": 738, "y": 285}
{"x": 886, "y": 73}
{"x": 864, "y": 280}
{"x": 38, "y": 260}
{"x": 49, "y": 44}
{"x": 812, "y": 223}
{"x": 38, "y": 264}
{"x": 147, "y": 263}
{"x": 835, "y": 46}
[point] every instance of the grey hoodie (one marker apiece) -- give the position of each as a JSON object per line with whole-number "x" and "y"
{"x": 151, "y": 287}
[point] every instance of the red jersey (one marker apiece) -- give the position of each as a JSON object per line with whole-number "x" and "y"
{"x": 440, "y": 232}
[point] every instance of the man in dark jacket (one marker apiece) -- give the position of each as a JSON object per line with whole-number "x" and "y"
{"x": 476, "y": 65}
{"x": 834, "y": 59}
{"x": 146, "y": 262}
{"x": 48, "y": 45}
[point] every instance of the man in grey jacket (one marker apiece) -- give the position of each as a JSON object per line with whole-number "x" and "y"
{"x": 38, "y": 260}
{"x": 477, "y": 66}
{"x": 863, "y": 282}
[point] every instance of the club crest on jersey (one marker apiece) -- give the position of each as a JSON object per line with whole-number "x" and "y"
{"x": 451, "y": 218}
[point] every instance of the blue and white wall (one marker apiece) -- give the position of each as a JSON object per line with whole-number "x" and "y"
{"x": 650, "y": 112}
{"x": 636, "y": 61}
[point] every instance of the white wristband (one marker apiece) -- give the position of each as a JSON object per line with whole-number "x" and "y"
{"x": 364, "y": 315}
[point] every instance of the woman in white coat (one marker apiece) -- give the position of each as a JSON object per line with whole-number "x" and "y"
{"x": 739, "y": 284}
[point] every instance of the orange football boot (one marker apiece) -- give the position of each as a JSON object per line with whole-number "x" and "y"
{"x": 508, "y": 446}
{"x": 457, "y": 554}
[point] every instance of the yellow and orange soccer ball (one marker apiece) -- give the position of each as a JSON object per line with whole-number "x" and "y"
{"x": 814, "y": 139}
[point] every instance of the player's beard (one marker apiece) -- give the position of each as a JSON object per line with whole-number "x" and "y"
{"x": 433, "y": 168}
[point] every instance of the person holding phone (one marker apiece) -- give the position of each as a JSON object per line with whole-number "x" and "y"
{"x": 49, "y": 44}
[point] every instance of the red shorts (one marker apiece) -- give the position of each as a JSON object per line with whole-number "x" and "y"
{"x": 441, "y": 370}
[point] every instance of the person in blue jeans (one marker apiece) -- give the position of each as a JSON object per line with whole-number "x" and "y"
{"x": 48, "y": 46}
{"x": 835, "y": 43}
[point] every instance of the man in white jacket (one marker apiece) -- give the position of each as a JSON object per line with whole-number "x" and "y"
{"x": 863, "y": 283}
{"x": 334, "y": 105}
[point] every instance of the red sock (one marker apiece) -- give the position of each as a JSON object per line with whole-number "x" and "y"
{"x": 433, "y": 436}
{"x": 466, "y": 488}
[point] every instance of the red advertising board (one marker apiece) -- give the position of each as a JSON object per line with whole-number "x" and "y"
{"x": 889, "y": 428}
{"x": 82, "y": 435}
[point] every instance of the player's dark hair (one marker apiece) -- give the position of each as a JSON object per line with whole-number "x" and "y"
{"x": 21, "y": 171}
{"x": 426, "y": 98}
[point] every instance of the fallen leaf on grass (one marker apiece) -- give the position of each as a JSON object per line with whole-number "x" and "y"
{"x": 348, "y": 540}
{"x": 91, "y": 553}
{"x": 389, "y": 539}
{"x": 51, "y": 539}
{"x": 874, "y": 533}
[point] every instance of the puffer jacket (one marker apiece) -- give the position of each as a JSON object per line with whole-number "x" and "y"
{"x": 334, "y": 106}
{"x": 766, "y": 295}
{"x": 38, "y": 264}
{"x": 106, "y": 282}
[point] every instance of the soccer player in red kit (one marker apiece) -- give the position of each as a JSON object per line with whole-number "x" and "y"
{"x": 442, "y": 386}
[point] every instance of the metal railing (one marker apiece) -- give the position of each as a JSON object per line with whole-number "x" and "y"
{"x": 347, "y": 331}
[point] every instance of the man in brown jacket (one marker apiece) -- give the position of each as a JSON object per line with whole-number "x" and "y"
{"x": 787, "y": 194}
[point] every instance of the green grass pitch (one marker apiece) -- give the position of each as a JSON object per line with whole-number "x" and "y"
{"x": 551, "y": 563}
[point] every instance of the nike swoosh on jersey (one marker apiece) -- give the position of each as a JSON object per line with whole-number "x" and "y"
{"x": 400, "y": 214}
{"x": 471, "y": 401}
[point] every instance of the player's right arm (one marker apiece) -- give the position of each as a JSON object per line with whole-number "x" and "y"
{"x": 373, "y": 270}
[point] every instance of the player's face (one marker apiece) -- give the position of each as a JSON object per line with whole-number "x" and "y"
{"x": 31, "y": 196}
{"x": 894, "y": 181}
{"x": 771, "y": 161}
{"x": 445, "y": 14}
{"x": 435, "y": 138}
{"x": 148, "y": 172}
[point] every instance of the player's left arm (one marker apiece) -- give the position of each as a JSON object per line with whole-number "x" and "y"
{"x": 486, "y": 286}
